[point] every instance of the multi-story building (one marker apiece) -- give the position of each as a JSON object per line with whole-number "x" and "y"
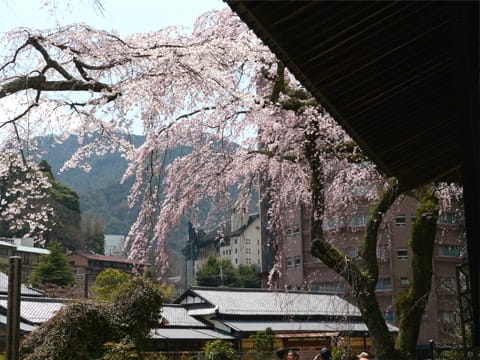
{"x": 23, "y": 248}
{"x": 88, "y": 266}
{"x": 237, "y": 240}
{"x": 303, "y": 271}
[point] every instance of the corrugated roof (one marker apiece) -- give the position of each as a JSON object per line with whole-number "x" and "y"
{"x": 265, "y": 302}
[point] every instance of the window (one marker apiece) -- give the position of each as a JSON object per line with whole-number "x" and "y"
{"x": 332, "y": 224}
{"x": 298, "y": 261}
{"x": 296, "y": 230}
{"x": 449, "y": 250}
{"x": 404, "y": 281}
{"x": 248, "y": 251}
{"x": 329, "y": 286}
{"x": 288, "y": 262}
{"x": 383, "y": 253}
{"x": 402, "y": 254}
{"x": 247, "y": 241}
{"x": 236, "y": 250}
{"x": 358, "y": 220}
{"x": 384, "y": 284}
{"x": 288, "y": 230}
{"x": 389, "y": 316}
{"x": 450, "y": 218}
{"x": 400, "y": 221}
{"x": 26, "y": 258}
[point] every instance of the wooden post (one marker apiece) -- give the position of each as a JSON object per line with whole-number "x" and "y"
{"x": 13, "y": 307}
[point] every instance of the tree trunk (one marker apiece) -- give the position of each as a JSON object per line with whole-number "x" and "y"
{"x": 411, "y": 304}
{"x": 382, "y": 339}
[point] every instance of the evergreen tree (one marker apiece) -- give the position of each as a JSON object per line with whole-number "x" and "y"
{"x": 216, "y": 273}
{"x": 262, "y": 345}
{"x": 220, "y": 272}
{"x": 247, "y": 277}
{"x": 65, "y": 227}
{"x": 53, "y": 268}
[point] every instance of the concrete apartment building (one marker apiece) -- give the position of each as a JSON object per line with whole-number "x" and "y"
{"x": 304, "y": 272}
{"x": 237, "y": 240}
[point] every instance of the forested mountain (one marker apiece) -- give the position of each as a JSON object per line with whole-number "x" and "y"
{"x": 101, "y": 194}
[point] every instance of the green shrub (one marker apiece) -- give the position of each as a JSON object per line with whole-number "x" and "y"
{"x": 219, "y": 350}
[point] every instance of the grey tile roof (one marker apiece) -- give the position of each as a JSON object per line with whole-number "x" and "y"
{"x": 309, "y": 326}
{"x": 24, "y": 290}
{"x": 36, "y": 310}
{"x": 176, "y": 315}
{"x": 185, "y": 334}
{"x": 24, "y": 327}
{"x": 265, "y": 302}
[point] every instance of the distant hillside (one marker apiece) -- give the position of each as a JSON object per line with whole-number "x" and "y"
{"x": 100, "y": 191}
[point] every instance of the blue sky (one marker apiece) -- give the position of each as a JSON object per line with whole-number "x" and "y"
{"x": 125, "y": 16}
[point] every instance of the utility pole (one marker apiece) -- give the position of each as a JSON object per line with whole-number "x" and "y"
{"x": 13, "y": 307}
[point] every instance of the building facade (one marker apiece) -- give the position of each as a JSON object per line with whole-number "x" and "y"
{"x": 237, "y": 240}
{"x": 88, "y": 266}
{"x": 23, "y": 248}
{"x": 303, "y": 271}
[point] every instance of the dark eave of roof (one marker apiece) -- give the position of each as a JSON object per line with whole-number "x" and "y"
{"x": 391, "y": 73}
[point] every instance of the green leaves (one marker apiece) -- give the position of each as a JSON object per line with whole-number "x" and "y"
{"x": 53, "y": 268}
{"x": 220, "y": 272}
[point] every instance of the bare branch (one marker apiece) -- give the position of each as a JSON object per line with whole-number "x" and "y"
{"x": 40, "y": 82}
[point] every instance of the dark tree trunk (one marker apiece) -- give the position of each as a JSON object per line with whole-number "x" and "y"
{"x": 411, "y": 304}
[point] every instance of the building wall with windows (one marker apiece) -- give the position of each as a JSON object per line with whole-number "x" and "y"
{"x": 394, "y": 262}
{"x": 30, "y": 256}
{"x": 244, "y": 247}
{"x": 237, "y": 240}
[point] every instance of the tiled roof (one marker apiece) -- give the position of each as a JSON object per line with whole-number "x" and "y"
{"x": 300, "y": 326}
{"x": 23, "y": 248}
{"x": 24, "y": 327}
{"x": 185, "y": 334}
{"x": 103, "y": 257}
{"x": 177, "y": 315}
{"x": 25, "y": 290}
{"x": 281, "y": 303}
{"x": 33, "y": 250}
{"x": 36, "y": 310}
